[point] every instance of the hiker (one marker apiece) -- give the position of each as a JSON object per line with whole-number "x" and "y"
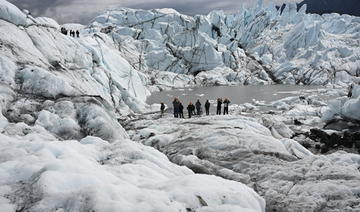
{"x": 198, "y": 107}
{"x": 162, "y": 108}
{"x": 226, "y": 106}
{"x": 191, "y": 109}
{"x": 63, "y": 31}
{"x": 176, "y": 107}
{"x": 181, "y": 110}
{"x": 207, "y": 107}
{"x": 77, "y": 33}
{"x": 218, "y": 108}
{"x": 350, "y": 90}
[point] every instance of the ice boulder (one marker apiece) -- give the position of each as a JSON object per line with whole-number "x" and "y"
{"x": 11, "y": 13}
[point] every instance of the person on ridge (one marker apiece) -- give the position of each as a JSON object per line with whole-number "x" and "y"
{"x": 162, "y": 108}
{"x": 191, "y": 109}
{"x": 176, "y": 107}
{"x": 207, "y": 107}
{"x": 218, "y": 108}
{"x": 77, "y": 33}
{"x": 181, "y": 110}
{"x": 226, "y": 106}
{"x": 198, "y": 107}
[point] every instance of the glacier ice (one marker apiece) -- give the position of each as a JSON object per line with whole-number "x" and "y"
{"x": 57, "y": 91}
{"x": 239, "y": 148}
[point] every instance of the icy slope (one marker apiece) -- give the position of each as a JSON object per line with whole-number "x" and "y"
{"x": 39, "y": 173}
{"x": 254, "y": 45}
{"x": 287, "y": 175}
{"x": 48, "y": 78}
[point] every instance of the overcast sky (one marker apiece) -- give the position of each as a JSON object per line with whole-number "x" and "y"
{"x": 82, "y": 11}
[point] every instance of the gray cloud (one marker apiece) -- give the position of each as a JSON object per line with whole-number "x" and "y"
{"x": 83, "y": 11}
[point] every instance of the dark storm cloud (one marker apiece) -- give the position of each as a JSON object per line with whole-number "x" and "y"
{"x": 38, "y": 7}
{"x": 84, "y": 10}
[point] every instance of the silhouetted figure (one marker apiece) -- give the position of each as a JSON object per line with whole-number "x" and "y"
{"x": 226, "y": 106}
{"x": 63, "y": 31}
{"x": 77, "y": 33}
{"x": 191, "y": 109}
{"x": 198, "y": 107}
{"x": 218, "y": 108}
{"x": 162, "y": 108}
{"x": 176, "y": 105}
{"x": 350, "y": 90}
{"x": 181, "y": 110}
{"x": 207, "y": 107}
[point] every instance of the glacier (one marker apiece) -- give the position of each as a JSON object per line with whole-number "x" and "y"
{"x": 76, "y": 133}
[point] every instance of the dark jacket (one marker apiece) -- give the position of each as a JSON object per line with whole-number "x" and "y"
{"x": 207, "y": 105}
{"x": 176, "y": 105}
{"x": 190, "y": 108}
{"x": 198, "y": 105}
{"x": 226, "y": 103}
{"x": 181, "y": 107}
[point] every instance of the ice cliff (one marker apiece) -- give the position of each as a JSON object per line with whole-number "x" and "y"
{"x": 254, "y": 46}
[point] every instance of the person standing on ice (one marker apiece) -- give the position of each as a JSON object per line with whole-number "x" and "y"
{"x": 350, "y": 90}
{"x": 218, "y": 108}
{"x": 162, "y": 108}
{"x": 176, "y": 107}
{"x": 77, "y": 33}
{"x": 181, "y": 110}
{"x": 198, "y": 107}
{"x": 190, "y": 109}
{"x": 226, "y": 106}
{"x": 207, "y": 107}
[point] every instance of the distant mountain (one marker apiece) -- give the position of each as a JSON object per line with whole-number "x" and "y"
{"x": 351, "y": 7}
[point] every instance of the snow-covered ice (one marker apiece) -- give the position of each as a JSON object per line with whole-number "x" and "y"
{"x": 69, "y": 107}
{"x": 239, "y": 148}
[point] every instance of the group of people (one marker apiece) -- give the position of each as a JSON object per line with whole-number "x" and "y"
{"x": 72, "y": 33}
{"x": 196, "y": 109}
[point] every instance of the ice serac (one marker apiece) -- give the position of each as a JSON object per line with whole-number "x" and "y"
{"x": 254, "y": 46}
{"x": 167, "y": 41}
{"x": 302, "y": 48}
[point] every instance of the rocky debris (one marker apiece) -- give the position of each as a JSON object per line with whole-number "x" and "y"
{"x": 334, "y": 139}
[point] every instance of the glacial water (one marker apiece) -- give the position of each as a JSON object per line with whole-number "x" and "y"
{"x": 236, "y": 94}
